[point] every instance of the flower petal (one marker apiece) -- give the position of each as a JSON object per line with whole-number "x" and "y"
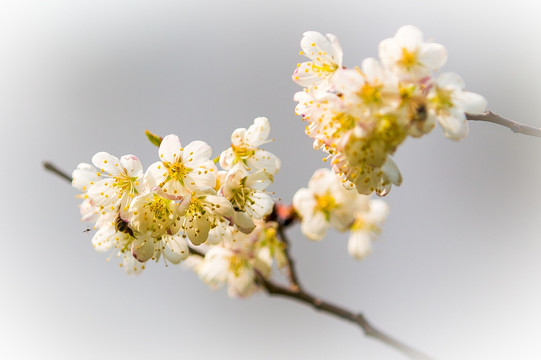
{"x": 470, "y": 102}
{"x": 314, "y": 227}
{"x": 176, "y": 249}
{"x": 454, "y": 124}
{"x": 170, "y": 149}
{"x": 432, "y": 55}
{"x": 198, "y": 229}
{"x": 84, "y": 176}
{"x": 142, "y": 248}
{"x": 409, "y": 37}
{"x": 359, "y": 244}
{"x": 132, "y": 165}
{"x": 258, "y": 133}
{"x": 106, "y": 162}
{"x": 196, "y": 153}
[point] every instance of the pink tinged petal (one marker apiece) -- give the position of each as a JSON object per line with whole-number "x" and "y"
{"x": 265, "y": 161}
{"x": 84, "y": 176}
{"x": 107, "y": 162}
{"x": 454, "y": 124}
{"x": 176, "y": 248}
{"x": 234, "y": 177}
{"x": 359, "y": 244}
{"x": 198, "y": 229}
{"x": 142, "y": 248}
{"x": 174, "y": 189}
{"x": 243, "y": 222}
{"x": 409, "y": 37}
{"x": 184, "y": 204}
{"x": 227, "y": 159}
{"x": 132, "y": 165}
{"x": 470, "y": 102}
{"x": 258, "y": 133}
{"x": 155, "y": 175}
{"x": 432, "y": 55}
{"x": 196, "y": 153}
{"x": 314, "y": 227}
{"x": 170, "y": 149}
{"x": 450, "y": 81}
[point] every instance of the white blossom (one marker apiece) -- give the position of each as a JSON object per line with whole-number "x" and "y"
{"x": 325, "y": 203}
{"x": 245, "y": 150}
{"x": 325, "y": 56}
{"x": 182, "y": 170}
{"x": 449, "y": 103}
{"x": 119, "y": 181}
{"x": 366, "y": 228}
{"x": 408, "y": 55}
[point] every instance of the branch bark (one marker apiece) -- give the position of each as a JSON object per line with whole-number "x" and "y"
{"x": 358, "y": 319}
{"x": 291, "y": 270}
{"x": 296, "y": 292}
{"x": 514, "y": 126}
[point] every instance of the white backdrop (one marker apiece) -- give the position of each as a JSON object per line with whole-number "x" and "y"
{"x": 456, "y": 273}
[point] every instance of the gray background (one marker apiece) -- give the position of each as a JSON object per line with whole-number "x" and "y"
{"x": 457, "y": 272}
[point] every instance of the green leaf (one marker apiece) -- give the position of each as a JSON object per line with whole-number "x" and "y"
{"x": 153, "y": 138}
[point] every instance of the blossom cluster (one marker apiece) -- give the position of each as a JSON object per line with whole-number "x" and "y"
{"x": 184, "y": 201}
{"x": 327, "y": 203}
{"x": 359, "y": 116}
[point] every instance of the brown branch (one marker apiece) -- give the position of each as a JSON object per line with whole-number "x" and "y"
{"x": 358, "y": 319}
{"x": 514, "y": 126}
{"x": 52, "y": 168}
{"x": 295, "y": 284}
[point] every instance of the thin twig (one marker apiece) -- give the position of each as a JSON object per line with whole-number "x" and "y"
{"x": 52, "y": 168}
{"x": 358, "y": 319}
{"x": 292, "y": 272}
{"x": 514, "y": 126}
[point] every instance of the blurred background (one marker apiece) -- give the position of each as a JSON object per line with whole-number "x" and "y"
{"x": 456, "y": 273}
